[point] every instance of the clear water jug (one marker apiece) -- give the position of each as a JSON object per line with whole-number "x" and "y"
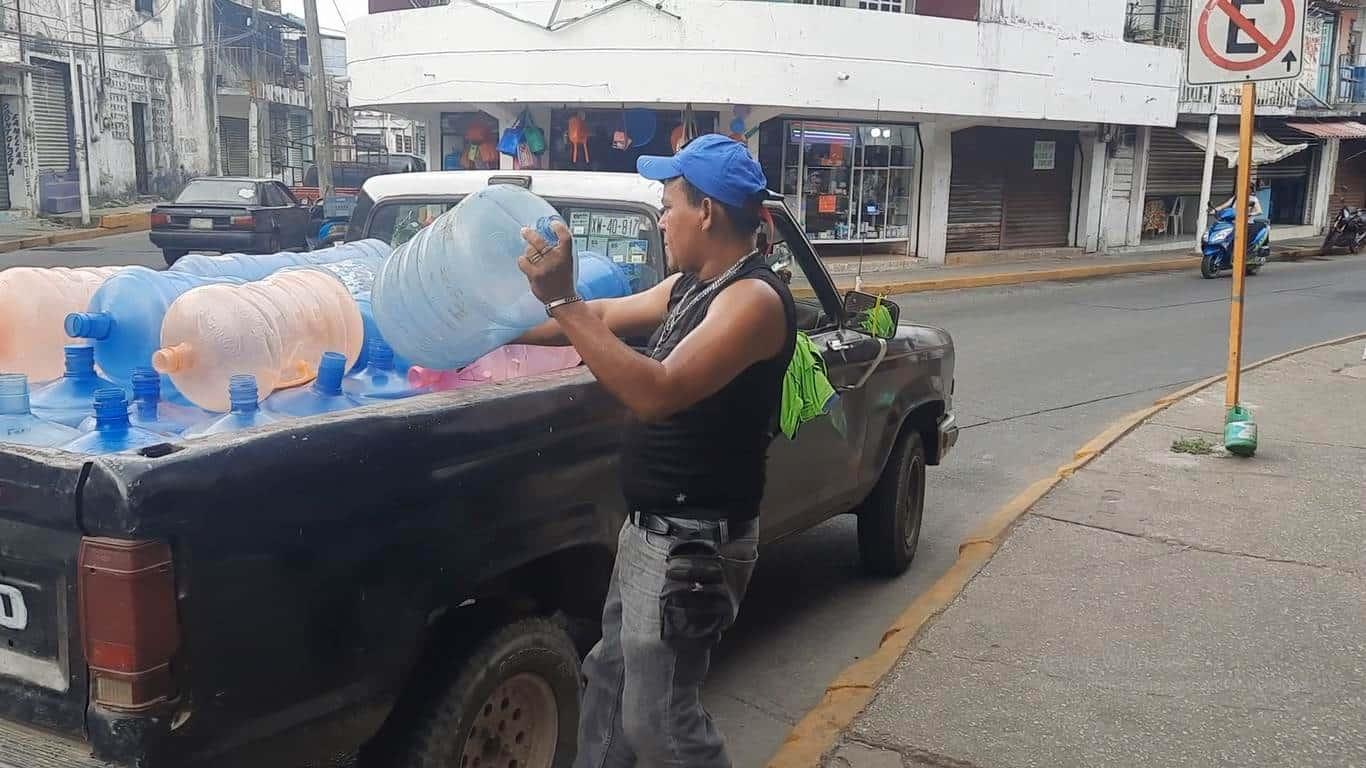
{"x": 248, "y": 266}
{"x": 152, "y": 413}
{"x": 68, "y": 399}
{"x": 244, "y": 409}
{"x": 113, "y": 432}
{"x": 507, "y": 362}
{"x": 358, "y": 275}
{"x": 324, "y": 395}
{"x": 276, "y": 329}
{"x": 34, "y": 303}
{"x": 454, "y": 291}
{"x": 124, "y": 317}
{"x": 379, "y": 379}
{"x": 18, "y": 424}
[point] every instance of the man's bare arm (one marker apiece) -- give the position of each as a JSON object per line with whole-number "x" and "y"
{"x": 744, "y": 325}
{"x": 635, "y": 315}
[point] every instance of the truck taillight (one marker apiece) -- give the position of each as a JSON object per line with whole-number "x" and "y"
{"x": 159, "y": 219}
{"x": 242, "y": 222}
{"x": 129, "y": 630}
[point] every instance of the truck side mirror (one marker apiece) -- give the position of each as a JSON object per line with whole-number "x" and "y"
{"x": 858, "y": 302}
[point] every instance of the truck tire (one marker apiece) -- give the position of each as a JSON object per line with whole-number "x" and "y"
{"x": 514, "y": 701}
{"x": 889, "y": 522}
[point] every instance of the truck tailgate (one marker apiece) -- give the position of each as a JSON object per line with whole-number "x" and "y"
{"x": 42, "y": 674}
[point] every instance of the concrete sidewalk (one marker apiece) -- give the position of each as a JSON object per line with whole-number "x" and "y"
{"x": 19, "y": 232}
{"x": 1162, "y": 608}
{"x": 896, "y": 275}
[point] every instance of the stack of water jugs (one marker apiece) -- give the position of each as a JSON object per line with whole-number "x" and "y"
{"x": 102, "y": 360}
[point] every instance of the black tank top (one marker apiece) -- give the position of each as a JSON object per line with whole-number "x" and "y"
{"x": 707, "y": 461}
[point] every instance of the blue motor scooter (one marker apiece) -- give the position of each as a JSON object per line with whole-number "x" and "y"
{"x": 1217, "y": 244}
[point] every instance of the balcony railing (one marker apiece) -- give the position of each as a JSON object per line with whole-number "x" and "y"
{"x": 235, "y": 69}
{"x": 1276, "y": 94}
{"x": 1157, "y": 22}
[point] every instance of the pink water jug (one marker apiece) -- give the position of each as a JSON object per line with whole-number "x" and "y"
{"x": 275, "y": 329}
{"x": 504, "y": 363}
{"x": 34, "y": 303}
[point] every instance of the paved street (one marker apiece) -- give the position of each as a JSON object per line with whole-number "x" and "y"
{"x": 1041, "y": 369}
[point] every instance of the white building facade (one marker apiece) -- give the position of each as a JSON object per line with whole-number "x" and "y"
{"x": 930, "y": 128}
{"x": 136, "y": 108}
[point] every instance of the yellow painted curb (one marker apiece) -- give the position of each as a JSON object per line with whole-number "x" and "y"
{"x": 846, "y": 696}
{"x": 131, "y": 221}
{"x": 961, "y": 282}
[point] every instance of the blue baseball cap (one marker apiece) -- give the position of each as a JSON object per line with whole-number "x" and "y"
{"x": 721, "y": 167}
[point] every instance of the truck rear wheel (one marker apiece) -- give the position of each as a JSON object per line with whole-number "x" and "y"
{"x": 513, "y": 702}
{"x": 889, "y": 522}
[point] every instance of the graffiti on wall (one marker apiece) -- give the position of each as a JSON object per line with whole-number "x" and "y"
{"x": 1313, "y": 48}
{"x": 14, "y": 137}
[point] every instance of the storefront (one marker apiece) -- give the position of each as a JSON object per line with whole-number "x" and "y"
{"x": 1349, "y": 186}
{"x": 469, "y": 141}
{"x": 612, "y": 139}
{"x": 1010, "y": 188}
{"x": 846, "y": 182}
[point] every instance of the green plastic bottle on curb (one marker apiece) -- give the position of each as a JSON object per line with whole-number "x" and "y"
{"x": 1240, "y": 433}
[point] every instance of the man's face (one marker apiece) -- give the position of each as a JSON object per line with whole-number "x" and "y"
{"x": 684, "y": 226}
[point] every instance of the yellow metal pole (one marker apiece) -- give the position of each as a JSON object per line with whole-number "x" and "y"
{"x": 1235, "y": 314}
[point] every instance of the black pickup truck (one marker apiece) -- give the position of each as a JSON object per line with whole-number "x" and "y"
{"x": 411, "y": 583}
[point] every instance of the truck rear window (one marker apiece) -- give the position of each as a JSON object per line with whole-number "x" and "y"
{"x": 627, "y": 236}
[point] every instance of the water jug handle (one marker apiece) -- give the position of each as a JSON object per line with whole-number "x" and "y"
{"x": 543, "y": 228}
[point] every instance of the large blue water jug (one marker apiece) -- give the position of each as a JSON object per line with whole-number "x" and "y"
{"x": 152, "y": 413}
{"x": 245, "y": 409}
{"x": 248, "y": 266}
{"x": 454, "y": 292}
{"x": 68, "y": 399}
{"x": 601, "y": 278}
{"x": 17, "y": 422}
{"x": 125, "y": 315}
{"x": 324, "y": 395}
{"x": 358, "y": 275}
{"x": 379, "y": 379}
{"x": 113, "y": 433}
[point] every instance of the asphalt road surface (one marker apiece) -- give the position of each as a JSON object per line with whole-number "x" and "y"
{"x": 1041, "y": 369}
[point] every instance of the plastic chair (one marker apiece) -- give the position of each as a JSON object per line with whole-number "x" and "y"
{"x": 1175, "y": 216}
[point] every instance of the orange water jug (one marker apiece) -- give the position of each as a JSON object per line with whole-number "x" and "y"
{"x": 34, "y": 303}
{"x": 578, "y": 137}
{"x": 275, "y": 329}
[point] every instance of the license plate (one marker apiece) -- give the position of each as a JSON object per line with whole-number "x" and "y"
{"x": 201, "y": 223}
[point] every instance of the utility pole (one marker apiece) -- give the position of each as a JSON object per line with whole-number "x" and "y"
{"x": 322, "y": 136}
{"x": 82, "y": 170}
{"x": 253, "y": 111}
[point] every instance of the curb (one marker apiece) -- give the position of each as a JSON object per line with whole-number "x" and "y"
{"x": 112, "y": 224}
{"x": 849, "y": 693}
{"x": 1015, "y": 278}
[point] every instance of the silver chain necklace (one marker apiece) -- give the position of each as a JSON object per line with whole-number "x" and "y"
{"x": 689, "y": 301}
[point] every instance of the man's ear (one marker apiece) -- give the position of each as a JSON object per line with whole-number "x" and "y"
{"x": 708, "y": 214}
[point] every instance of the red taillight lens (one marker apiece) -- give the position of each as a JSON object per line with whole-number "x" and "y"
{"x": 160, "y": 219}
{"x": 243, "y": 222}
{"x": 128, "y": 621}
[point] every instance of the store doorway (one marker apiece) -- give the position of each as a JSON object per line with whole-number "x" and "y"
{"x": 140, "y": 148}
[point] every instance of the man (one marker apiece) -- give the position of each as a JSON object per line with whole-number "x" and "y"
{"x": 704, "y": 401}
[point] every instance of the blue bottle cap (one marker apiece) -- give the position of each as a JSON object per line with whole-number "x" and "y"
{"x": 331, "y": 370}
{"x": 80, "y": 360}
{"x": 146, "y": 384}
{"x": 242, "y": 392}
{"x": 380, "y": 356}
{"x": 13, "y": 394}
{"x": 111, "y": 408}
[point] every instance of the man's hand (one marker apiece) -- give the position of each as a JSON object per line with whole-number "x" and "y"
{"x": 549, "y": 269}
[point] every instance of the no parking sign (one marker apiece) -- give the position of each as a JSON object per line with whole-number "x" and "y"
{"x": 1235, "y": 41}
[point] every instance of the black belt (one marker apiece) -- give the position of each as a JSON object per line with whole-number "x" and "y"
{"x": 721, "y": 531}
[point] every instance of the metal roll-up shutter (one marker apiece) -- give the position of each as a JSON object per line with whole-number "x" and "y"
{"x": 52, "y": 117}
{"x": 233, "y": 138}
{"x": 1038, "y": 204}
{"x": 1349, "y": 187}
{"x": 976, "y": 193}
{"x": 1177, "y": 167}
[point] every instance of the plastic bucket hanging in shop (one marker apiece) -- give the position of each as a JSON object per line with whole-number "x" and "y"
{"x": 640, "y": 126}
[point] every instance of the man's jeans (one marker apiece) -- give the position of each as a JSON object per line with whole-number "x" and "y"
{"x": 642, "y": 702}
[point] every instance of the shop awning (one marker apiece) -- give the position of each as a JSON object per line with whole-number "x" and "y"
{"x": 1265, "y": 150}
{"x": 1338, "y": 129}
